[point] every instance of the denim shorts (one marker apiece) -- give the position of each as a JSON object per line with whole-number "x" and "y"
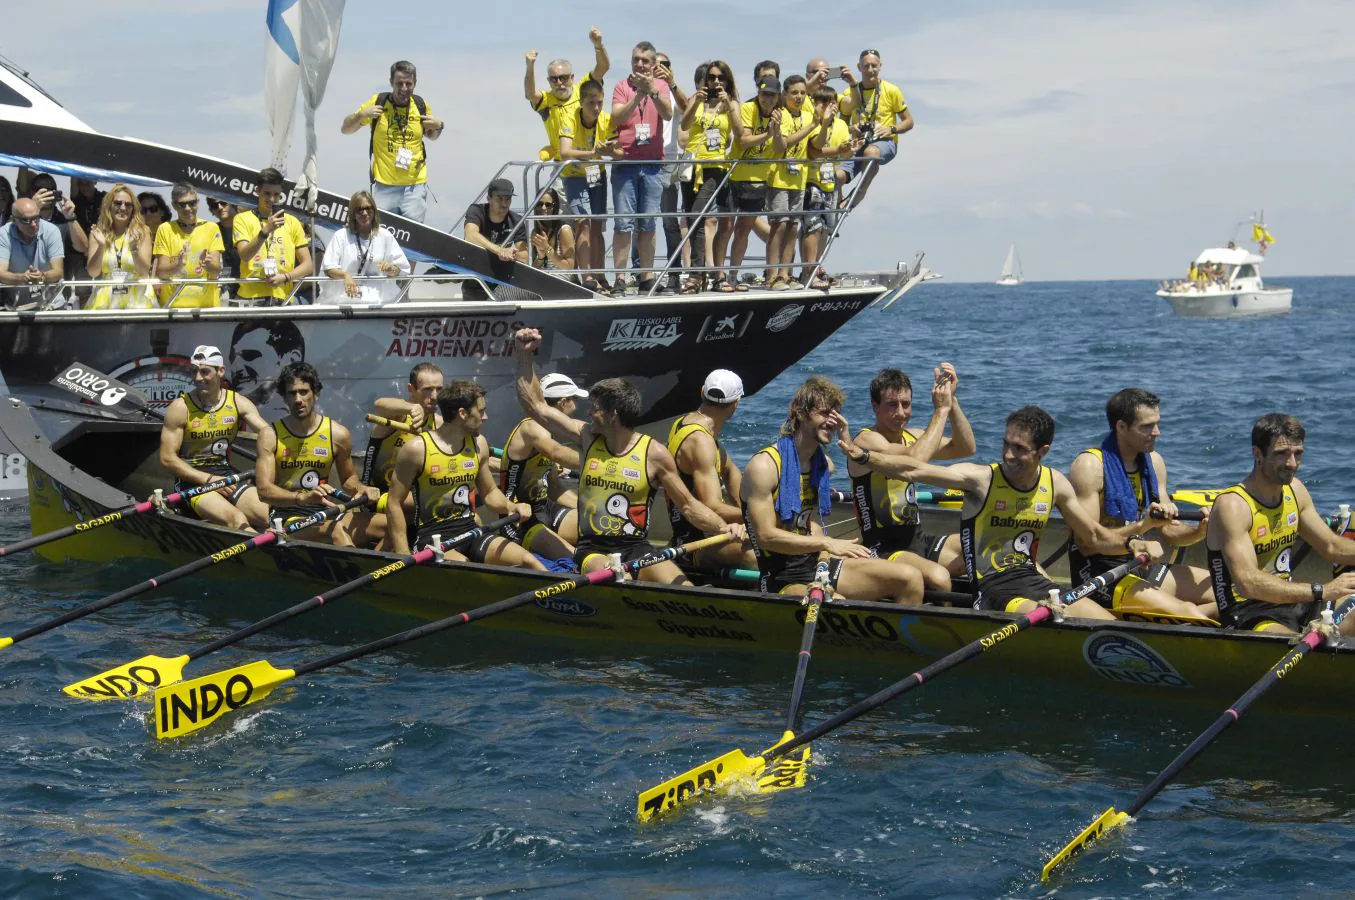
{"x": 637, "y": 194}
{"x": 582, "y": 200}
{"x": 408, "y": 200}
{"x": 820, "y": 211}
{"x": 888, "y": 150}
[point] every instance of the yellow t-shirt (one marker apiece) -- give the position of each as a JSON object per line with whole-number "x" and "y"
{"x": 881, "y": 104}
{"x": 169, "y": 241}
{"x": 554, "y": 112}
{"x": 822, "y": 169}
{"x": 710, "y": 135}
{"x": 584, "y": 138}
{"x": 790, "y": 176}
{"x": 398, "y": 156}
{"x": 280, "y": 247}
{"x": 750, "y": 113}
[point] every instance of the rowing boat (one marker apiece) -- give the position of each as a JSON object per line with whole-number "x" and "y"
{"x": 106, "y": 463}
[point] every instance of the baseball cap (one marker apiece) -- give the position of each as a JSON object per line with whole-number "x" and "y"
{"x": 207, "y": 355}
{"x": 769, "y": 85}
{"x": 501, "y": 187}
{"x": 556, "y": 386}
{"x": 722, "y": 386}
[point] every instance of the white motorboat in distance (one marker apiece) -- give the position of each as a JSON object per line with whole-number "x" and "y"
{"x": 1238, "y": 291}
{"x": 1011, "y": 270}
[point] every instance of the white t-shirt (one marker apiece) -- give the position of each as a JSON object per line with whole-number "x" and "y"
{"x": 347, "y": 251}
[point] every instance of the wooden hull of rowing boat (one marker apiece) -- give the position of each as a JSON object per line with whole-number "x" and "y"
{"x": 1157, "y": 663}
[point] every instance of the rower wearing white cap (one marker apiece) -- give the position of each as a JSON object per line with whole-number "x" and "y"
{"x": 529, "y": 473}
{"x": 706, "y": 469}
{"x": 195, "y": 442}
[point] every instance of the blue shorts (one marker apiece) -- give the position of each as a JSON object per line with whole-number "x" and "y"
{"x": 637, "y": 193}
{"x": 583, "y": 200}
{"x": 410, "y": 200}
{"x": 888, "y": 150}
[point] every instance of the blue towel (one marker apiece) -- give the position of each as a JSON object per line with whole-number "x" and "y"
{"x": 564, "y": 565}
{"x": 1119, "y": 491}
{"x": 788, "y": 504}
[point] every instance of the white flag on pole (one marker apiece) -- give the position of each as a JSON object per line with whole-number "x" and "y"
{"x": 303, "y": 36}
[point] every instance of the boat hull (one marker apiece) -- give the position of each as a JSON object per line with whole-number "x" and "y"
{"x": 1218, "y": 304}
{"x": 1156, "y": 663}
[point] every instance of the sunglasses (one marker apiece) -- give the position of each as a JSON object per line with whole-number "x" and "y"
{"x": 560, "y": 79}
{"x": 217, "y": 203}
{"x": 149, "y": 210}
{"x": 870, "y": 52}
{"x": 187, "y": 204}
{"x": 545, "y": 206}
{"x": 359, "y": 210}
{"x": 26, "y": 220}
{"x": 122, "y": 204}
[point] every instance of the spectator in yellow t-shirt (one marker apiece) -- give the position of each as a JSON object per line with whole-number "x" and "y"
{"x": 828, "y": 146}
{"x": 399, "y": 122}
{"x": 188, "y": 249}
{"x": 786, "y": 180}
{"x": 272, "y": 244}
{"x": 709, "y": 139}
{"x": 558, "y": 105}
{"x": 585, "y": 138}
{"x": 878, "y": 114}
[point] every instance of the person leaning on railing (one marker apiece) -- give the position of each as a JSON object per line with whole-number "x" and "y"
{"x": 707, "y": 123}
{"x": 831, "y": 143}
{"x": 491, "y": 225}
{"x": 552, "y": 240}
{"x": 30, "y": 253}
{"x": 585, "y": 138}
{"x": 188, "y": 249}
{"x": 362, "y": 248}
{"x": 120, "y": 248}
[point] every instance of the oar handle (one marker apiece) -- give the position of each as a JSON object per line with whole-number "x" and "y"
{"x": 1182, "y": 515}
{"x": 397, "y": 424}
{"x": 1104, "y": 580}
{"x": 189, "y": 493}
{"x": 1306, "y": 644}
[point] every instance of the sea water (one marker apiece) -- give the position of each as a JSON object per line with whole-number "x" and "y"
{"x": 465, "y": 766}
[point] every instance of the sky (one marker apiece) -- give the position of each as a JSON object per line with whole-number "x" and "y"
{"x": 1107, "y": 140}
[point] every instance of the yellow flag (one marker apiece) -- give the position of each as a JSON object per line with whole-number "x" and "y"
{"x": 1260, "y": 235}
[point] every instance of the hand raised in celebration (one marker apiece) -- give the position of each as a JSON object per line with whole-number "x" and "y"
{"x": 527, "y": 339}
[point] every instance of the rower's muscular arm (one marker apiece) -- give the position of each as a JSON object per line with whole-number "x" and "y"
{"x": 664, "y": 470}
{"x": 400, "y": 410}
{"x": 171, "y": 441}
{"x": 265, "y": 473}
{"x": 1173, "y": 532}
{"x": 1090, "y": 534}
{"x": 1329, "y": 545}
{"x": 530, "y": 397}
{"x": 541, "y": 442}
{"x": 407, "y": 463}
{"x": 759, "y": 483}
{"x": 491, "y": 496}
{"x": 343, "y": 466}
{"x": 1230, "y": 532}
{"x": 1087, "y": 477}
{"x": 699, "y": 453}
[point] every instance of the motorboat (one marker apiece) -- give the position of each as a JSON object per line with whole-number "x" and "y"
{"x": 1226, "y": 282}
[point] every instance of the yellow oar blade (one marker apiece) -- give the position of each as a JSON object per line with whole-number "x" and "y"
{"x": 1164, "y": 618}
{"x": 5, "y": 642}
{"x": 184, "y": 708}
{"x": 786, "y": 772}
{"x": 1106, "y": 821}
{"x": 130, "y": 680}
{"x": 733, "y": 766}
{"x": 1198, "y": 496}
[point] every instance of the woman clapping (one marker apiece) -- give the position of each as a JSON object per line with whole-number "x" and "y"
{"x": 120, "y": 253}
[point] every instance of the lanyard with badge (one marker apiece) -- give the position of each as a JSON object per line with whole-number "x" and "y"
{"x": 189, "y": 266}
{"x": 793, "y": 168}
{"x": 404, "y": 157}
{"x": 269, "y": 262}
{"x": 119, "y": 271}
{"x": 364, "y": 251}
{"x": 714, "y": 137}
{"x": 642, "y": 128}
{"x": 592, "y": 172}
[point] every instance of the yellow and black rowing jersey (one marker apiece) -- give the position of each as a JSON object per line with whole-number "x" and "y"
{"x": 684, "y": 531}
{"x": 777, "y": 569}
{"x": 1274, "y": 530}
{"x": 886, "y": 508}
{"x": 379, "y": 462}
{"x": 524, "y": 480}
{"x": 614, "y": 495}
{"x": 303, "y": 461}
{"x": 444, "y": 489}
{"x": 209, "y": 433}
{"x": 1004, "y": 535}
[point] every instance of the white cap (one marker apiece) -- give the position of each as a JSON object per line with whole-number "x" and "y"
{"x": 207, "y": 355}
{"x": 556, "y": 387}
{"x": 722, "y": 386}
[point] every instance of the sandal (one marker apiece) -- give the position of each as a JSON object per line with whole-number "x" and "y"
{"x": 591, "y": 284}
{"x": 741, "y": 287}
{"x": 694, "y": 284}
{"x": 724, "y": 285}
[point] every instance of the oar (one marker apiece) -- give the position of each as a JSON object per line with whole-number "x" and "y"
{"x": 94, "y": 386}
{"x": 789, "y": 771}
{"x": 149, "y": 672}
{"x": 190, "y": 705}
{"x": 397, "y": 424}
{"x": 736, "y": 765}
{"x": 1111, "y": 819}
{"x": 136, "y": 509}
{"x": 150, "y": 584}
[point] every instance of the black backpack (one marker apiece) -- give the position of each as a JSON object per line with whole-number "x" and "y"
{"x": 381, "y": 100}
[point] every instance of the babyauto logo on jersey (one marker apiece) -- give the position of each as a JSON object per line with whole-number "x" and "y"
{"x": 1122, "y": 658}
{"x": 642, "y": 334}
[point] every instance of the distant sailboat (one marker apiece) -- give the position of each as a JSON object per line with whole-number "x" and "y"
{"x": 1011, "y": 269}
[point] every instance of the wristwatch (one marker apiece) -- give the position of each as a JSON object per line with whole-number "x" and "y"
{"x": 1317, "y": 592}
{"x": 863, "y": 459}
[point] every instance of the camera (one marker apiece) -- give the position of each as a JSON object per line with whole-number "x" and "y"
{"x": 58, "y": 197}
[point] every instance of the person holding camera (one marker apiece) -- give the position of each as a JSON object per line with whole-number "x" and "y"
{"x": 877, "y": 115}
{"x": 273, "y": 246}
{"x": 707, "y": 123}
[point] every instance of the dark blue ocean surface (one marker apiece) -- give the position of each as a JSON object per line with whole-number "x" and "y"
{"x": 465, "y": 765}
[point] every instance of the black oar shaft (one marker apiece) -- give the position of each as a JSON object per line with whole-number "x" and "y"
{"x": 343, "y": 590}
{"x": 817, "y": 597}
{"x": 953, "y": 659}
{"x": 1306, "y": 645}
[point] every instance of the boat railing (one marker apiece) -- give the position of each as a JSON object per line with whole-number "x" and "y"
{"x": 538, "y": 176}
{"x": 319, "y": 290}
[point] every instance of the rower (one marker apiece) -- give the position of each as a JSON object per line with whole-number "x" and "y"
{"x": 1251, "y": 538}
{"x": 200, "y": 428}
{"x": 529, "y": 473}
{"x": 1006, "y": 506}
{"x": 446, "y": 471}
{"x": 706, "y": 469}
{"x": 887, "y": 508}
{"x": 786, "y": 494}
{"x": 1117, "y": 482}
{"x": 620, "y": 469}
{"x": 295, "y": 458}
{"x": 420, "y": 411}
